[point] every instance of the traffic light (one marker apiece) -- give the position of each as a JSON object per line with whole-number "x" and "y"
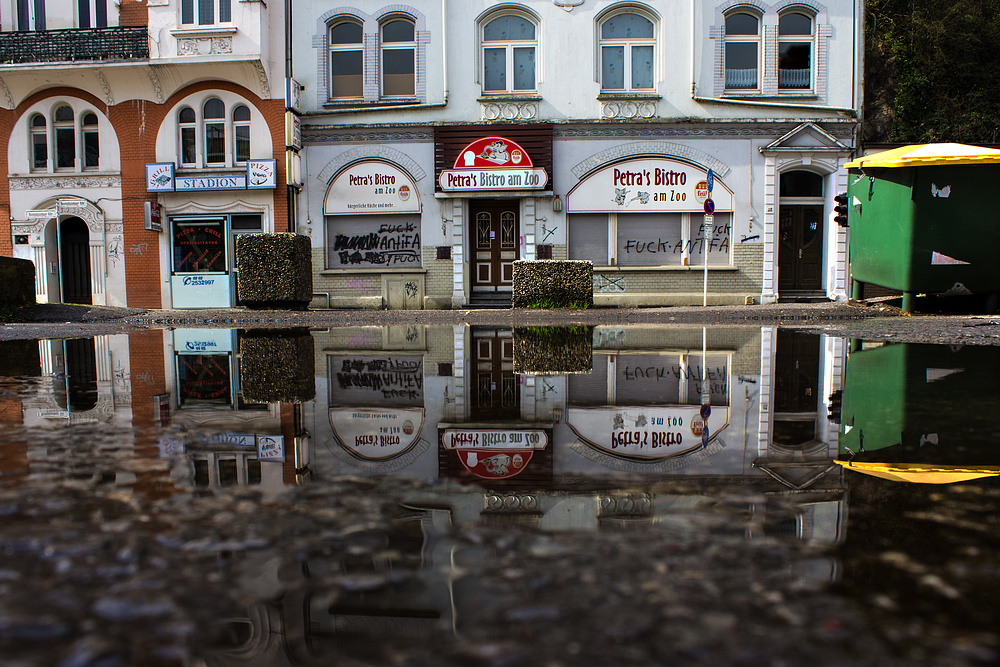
{"x": 840, "y": 210}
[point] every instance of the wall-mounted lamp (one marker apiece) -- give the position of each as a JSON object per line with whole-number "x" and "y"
{"x": 557, "y": 204}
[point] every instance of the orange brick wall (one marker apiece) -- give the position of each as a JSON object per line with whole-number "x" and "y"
{"x": 136, "y": 124}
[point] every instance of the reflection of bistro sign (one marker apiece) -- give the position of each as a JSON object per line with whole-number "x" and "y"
{"x": 493, "y": 163}
{"x": 494, "y": 453}
{"x": 646, "y": 433}
{"x": 647, "y": 185}
{"x": 260, "y": 175}
{"x": 371, "y": 187}
{"x": 377, "y": 434}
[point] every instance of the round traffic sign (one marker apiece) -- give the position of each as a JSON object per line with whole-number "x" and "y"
{"x": 709, "y": 206}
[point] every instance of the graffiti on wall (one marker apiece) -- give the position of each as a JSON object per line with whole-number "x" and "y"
{"x": 389, "y": 245}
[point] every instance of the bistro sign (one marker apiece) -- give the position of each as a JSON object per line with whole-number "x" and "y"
{"x": 371, "y": 187}
{"x": 260, "y": 175}
{"x": 648, "y": 185}
{"x": 492, "y": 163}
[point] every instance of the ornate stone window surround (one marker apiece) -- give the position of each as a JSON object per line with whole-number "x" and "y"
{"x": 769, "y": 14}
{"x": 371, "y": 25}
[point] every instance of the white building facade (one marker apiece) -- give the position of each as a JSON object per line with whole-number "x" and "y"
{"x": 442, "y": 140}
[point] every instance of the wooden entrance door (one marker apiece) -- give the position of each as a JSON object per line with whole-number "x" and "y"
{"x": 494, "y": 231}
{"x": 495, "y": 391}
{"x": 800, "y": 248}
{"x": 796, "y": 388}
{"x": 74, "y": 261}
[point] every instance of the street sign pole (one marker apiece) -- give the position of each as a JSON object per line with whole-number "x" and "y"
{"x": 708, "y": 224}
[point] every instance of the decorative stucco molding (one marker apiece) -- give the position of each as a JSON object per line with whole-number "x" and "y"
{"x": 64, "y": 182}
{"x": 385, "y": 153}
{"x": 509, "y": 110}
{"x": 644, "y": 148}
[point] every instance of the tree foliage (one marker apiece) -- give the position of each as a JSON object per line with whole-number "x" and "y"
{"x": 932, "y": 71}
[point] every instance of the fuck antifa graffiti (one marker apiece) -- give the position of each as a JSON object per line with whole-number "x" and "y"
{"x": 389, "y": 245}
{"x": 719, "y": 242}
{"x": 383, "y": 377}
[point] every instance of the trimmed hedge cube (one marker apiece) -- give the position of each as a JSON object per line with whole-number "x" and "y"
{"x": 17, "y": 282}
{"x": 553, "y": 350}
{"x": 277, "y": 365}
{"x": 553, "y": 284}
{"x": 274, "y": 271}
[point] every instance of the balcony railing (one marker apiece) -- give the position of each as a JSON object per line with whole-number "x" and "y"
{"x": 74, "y": 45}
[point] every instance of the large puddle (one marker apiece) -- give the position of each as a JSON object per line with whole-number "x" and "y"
{"x": 460, "y": 495}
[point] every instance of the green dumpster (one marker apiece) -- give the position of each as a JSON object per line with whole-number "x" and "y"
{"x": 920, "y": 412}
{"x": 924, "y": 220}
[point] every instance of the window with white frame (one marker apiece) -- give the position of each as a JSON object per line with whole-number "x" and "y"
{"x": 214, "y": 134}
{"x": 795, "y": 30}
{"x": 399, "y": 50}
{"x": 30, "y": 14}
{"x": 70, "y": 139}
{"x": 206, "y": 12}
{"x": 628, "y": 49}
{"x": 509, "y": 46}
{"x": 347, "y": 49}
{"x": 742, "y": 45}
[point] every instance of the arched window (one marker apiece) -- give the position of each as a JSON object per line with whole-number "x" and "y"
{"x": 398, "y": 58}
{"x": 241, "y": 133}
{"x": 188, "y": 130}
{"x": 214, "y": 115}
{"x": 627, "y": 52}
{"x": 742, "y": 50}
{"x": 91, "y": 140}
{"x": 65, "y": 138}
{"x": 509, "y": 54}
{"x": 795, "y": 50}
{"x": 39, "y": 143}
{"x": 346, "y": 60}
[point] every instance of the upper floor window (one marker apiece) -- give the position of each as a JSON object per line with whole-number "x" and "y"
{"x": 64, "y": 136}
{"x": 214, "y": 134}
{"x": 794, "y": 50}
{"x": 399, "y": 49}
{"x": 627, "y": 52}
{"x": 31, "y": 14}
{"x": 509, "y": 55}
{"x": 742, "y": 50}
{"x": 346, "y": 60}
{"x": 206, "y": 12}
{"x": 92, "y": 13}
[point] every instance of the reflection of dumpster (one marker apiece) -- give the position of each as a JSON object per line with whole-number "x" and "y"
{"x": 921, "y": 408}
{"x": 923, "y": 219}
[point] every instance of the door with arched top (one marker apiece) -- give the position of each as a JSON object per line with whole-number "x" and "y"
{"x": 74, "y": 261}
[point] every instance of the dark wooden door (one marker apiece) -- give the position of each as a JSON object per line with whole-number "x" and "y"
{"x": 796, "y": 387}
{"x": 800, "y": 248}
{"x": 74, "y": 261}
{"x": 494, "y": 230}
{"x": 495, "y": 391}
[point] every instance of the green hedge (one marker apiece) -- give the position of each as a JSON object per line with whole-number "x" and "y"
{"x": 277, "y": 365}
{"x": 553, "y": 350}
{"x": 274, "y": 271}
{"x": 17, "y": 282}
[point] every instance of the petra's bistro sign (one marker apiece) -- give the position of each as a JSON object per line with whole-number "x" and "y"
{"x": 371, "y": 186}
{"x": 492, "y": 163}
{"x": 648, "y": 185}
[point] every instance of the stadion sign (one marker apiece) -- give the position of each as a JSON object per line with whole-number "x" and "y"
{"x": 492, "y": 163}
{"x": 260, "y": 175}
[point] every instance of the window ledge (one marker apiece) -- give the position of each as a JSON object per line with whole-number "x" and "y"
{"x": 509, "y": 97}
{"x": 613, "y": 96}
{"x": 204, "y": 31}
{"x": 757, "y": 95}
{"x": 361, "y": 105}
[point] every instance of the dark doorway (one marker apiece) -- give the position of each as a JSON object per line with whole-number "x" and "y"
{"x": 74, "y": 258}
{"x": 495, "y": 394}
{"x": 800, "y": 248}
{"x": 796, "y": 388}
{"x": 494, "y": 230}
{"x": 76, "y": 390}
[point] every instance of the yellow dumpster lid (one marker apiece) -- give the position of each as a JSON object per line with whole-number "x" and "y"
{"x": 919, "y": 155}
{"x": 920, "y": 473}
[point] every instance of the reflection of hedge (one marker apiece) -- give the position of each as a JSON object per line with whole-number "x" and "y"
{"x": 553, "y": 350}
{"x": 19, "y": 358}
{"x": 17, "y": 282}
{"x": 277, "y": 365}
{"x": 553, "y": 284}
{"x": 274, "y": 270}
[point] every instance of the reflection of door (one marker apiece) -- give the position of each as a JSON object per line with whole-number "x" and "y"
{"x": 494, "y": 234}
{"x": 74, "y": 258}
{"x": 796, "y": 387}
{"x": 800, "y": 248}
{"x": 495, "y": 395}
